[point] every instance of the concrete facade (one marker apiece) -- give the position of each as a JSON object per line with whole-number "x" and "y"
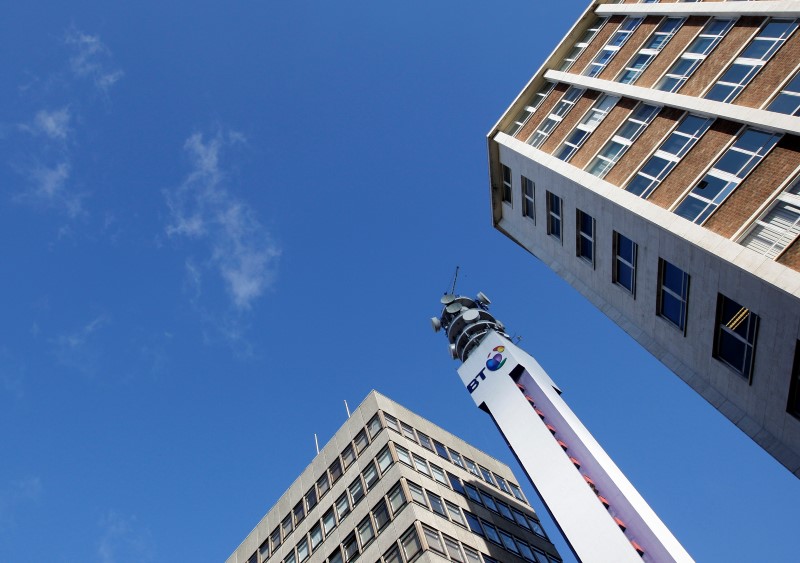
{"x": 481, "y": 515}
{"x": 711, "y": 66}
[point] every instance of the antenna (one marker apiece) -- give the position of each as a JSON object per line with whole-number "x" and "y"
{"x": 316, "y": 442}
{"x": 455, "y": 278}
{"x": 347, "y": 408}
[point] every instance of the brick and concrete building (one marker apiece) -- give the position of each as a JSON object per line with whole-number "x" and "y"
{"x": 391, "y": 487}
{"x": 653, "y": 162}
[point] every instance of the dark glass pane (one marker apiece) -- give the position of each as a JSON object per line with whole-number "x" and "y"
{"x": 672, "y": 309}
{"x": 690, "y": 208}
{"x": 673, "y": 278}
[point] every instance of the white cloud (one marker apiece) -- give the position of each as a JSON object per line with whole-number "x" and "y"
{"x": 202, "y": 209}
{"x": 123, "y": 540}
{"x": 78, "y": 349}
{"x": 47, "y": 188}
{"x": 90, "y": 59}
{"x": 53, "y": 124}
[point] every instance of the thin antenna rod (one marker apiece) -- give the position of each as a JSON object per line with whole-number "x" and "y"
{"x": 455, "y": 278}
{"x": 316, "y": 442}
{"x": 347, "y": 408}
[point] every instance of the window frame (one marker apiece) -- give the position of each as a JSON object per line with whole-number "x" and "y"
{"x": 622, "y": 261}
{"x": 724, "y": 330}
{"x": 682, "y": 298}
{"x": 555, "y": 219}
{"x": 586, "y": 252}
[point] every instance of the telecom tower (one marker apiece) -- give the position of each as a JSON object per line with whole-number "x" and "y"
{"x": 601, "y": 515}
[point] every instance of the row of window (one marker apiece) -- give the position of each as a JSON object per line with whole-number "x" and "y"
{"x": 453, "y": 456}
{"x": 355, "y": 493}
{"x": 474, "y": 493}
{"x": 737, "y": 326}
{"x": 324, "y": 483}
{"x": 479, "y": 526}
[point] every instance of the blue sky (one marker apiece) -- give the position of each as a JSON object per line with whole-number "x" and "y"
{"x": 221, "y": 219}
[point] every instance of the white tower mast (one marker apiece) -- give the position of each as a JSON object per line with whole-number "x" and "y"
{"x": 601, "y": 515}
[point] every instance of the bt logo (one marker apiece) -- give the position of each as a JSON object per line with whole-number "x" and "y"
{"x": 494, "y": 362}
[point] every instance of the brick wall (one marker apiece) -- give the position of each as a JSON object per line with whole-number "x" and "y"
{"x": 603, "y": 133}
{"x": 669, "y": 54}
{"x": 696, "y": 161}
{"x": 759, "y": 185}
{"x": 542, "y": 111}
{"x": 791, "y": 256}
{"x": 646, "y": 144}
{"x": 773, "y": 75}
{"x": 573, "y": 117}
{"x": 719, "y": 59}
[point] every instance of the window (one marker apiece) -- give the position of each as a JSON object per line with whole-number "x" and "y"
{"x": 453, "y": 549}
{"x": 554, "y": 216}
{"x": 455, "y": 483}
{"x": 384, "y": 459}
{"x": 425, "y": 441}
{"x": 506, "y": 187}
{"x": 771, "y": 37}
{"x": 299, "y": 513}
{"x": 436, "y": 503}
{"x": 456, "y": 458}
{"x": 505, "y": 511}
{"x": 593, "y": 118}
{"x": 323, "y": 485}
{"x": 263, "y": 550}
{"x": 487, "y": 475}
{"x": 560, "y": 111}
{"x": 275, "y": 538}
{"x": 410, "y": 543}
{"x": 528, "y": 209}
{"x": 391, "y": 422}
{"x": 472, "y": 555}
{"x": 584, "y": 242}
{"x": 370, "y": 475}
{"x": 694, "y": 54}
{"x": 737, "y": 328}
{"x": 397, "y": 498}
{"x": 473, "y": 523}
{"x": 366, "y": 532}
{"x": 356, "y": 489}
{"x": 615, "y": 42}
{"x": 392, "y": 555}
{"x": 402, "y": 454}
{"x": 374, "y": 426}
{"x": 328, "y": 521}
{"x": 342, "y": 506}
{"x": 508, "y": 542}
{"x": 361, "y": 441}
{"x": 416, "y": 493}
{"x": 727, "y": 173}
{"x": 778, "y": 227}
{"x": 472, "y": 493}
{"x": 517, "y": 492}
{"x": 348, "y": 456}
{"x": 350, "y": 545}
{"x": 290, "y": 558}
{"x": 526, "y": 112}
{"x": 581, "y": 44}
{"x": 472, "y": 467}
{"x": 438, "y": 474}
{"x": 488, "y": 502}
{"x": 668, "y": 155}
{"x": 441, "y": 450}
{"x": 624, "y": 268}
{"x": 432, "y": 539}
{"x": 421, "y": 466}
{"x": 311, "y": 498}
{"x": 660, "y": 37}
{"x": 673, "y": 294}
{"x": 536, "y": 527}
{"x": 381, "y": 514}
{"x": 455, "y": 513}
{"x": 286, "y": 526}
{"x": 525, "y": 550}
{"x": 335, "y": 470}
{"x": 302, "y": 550}
{"x": 408, "y": 432}
{"x": 490, "y": 531}
{"x": 628, "y": 132}
{"x": 336, "y": 556}
{"x": 520, "y": 519}
{"x": 788, "y": 100}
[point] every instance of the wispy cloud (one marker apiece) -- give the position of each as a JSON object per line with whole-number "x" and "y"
{"x": 15, "y": 496}
{"x": 47, "y": 188}
{"x": 78, "y": 349}
{"x": 53, "y": 124}
{"x": 90, "y": 58}
{"x": 203, "y": 209}
{"x": 123, "y": 540}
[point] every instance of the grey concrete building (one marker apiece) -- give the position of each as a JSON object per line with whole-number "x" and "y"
{"x": 653, "y": 162}
{"x": 393, "y": 487}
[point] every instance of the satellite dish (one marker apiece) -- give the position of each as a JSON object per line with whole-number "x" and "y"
{"x": 453, "y": 308}
{"x": 436, "y": 323}
{"x": 448, "y": 298}
{"x": 483, "y": 299}
{"x": 470, "y": 316}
